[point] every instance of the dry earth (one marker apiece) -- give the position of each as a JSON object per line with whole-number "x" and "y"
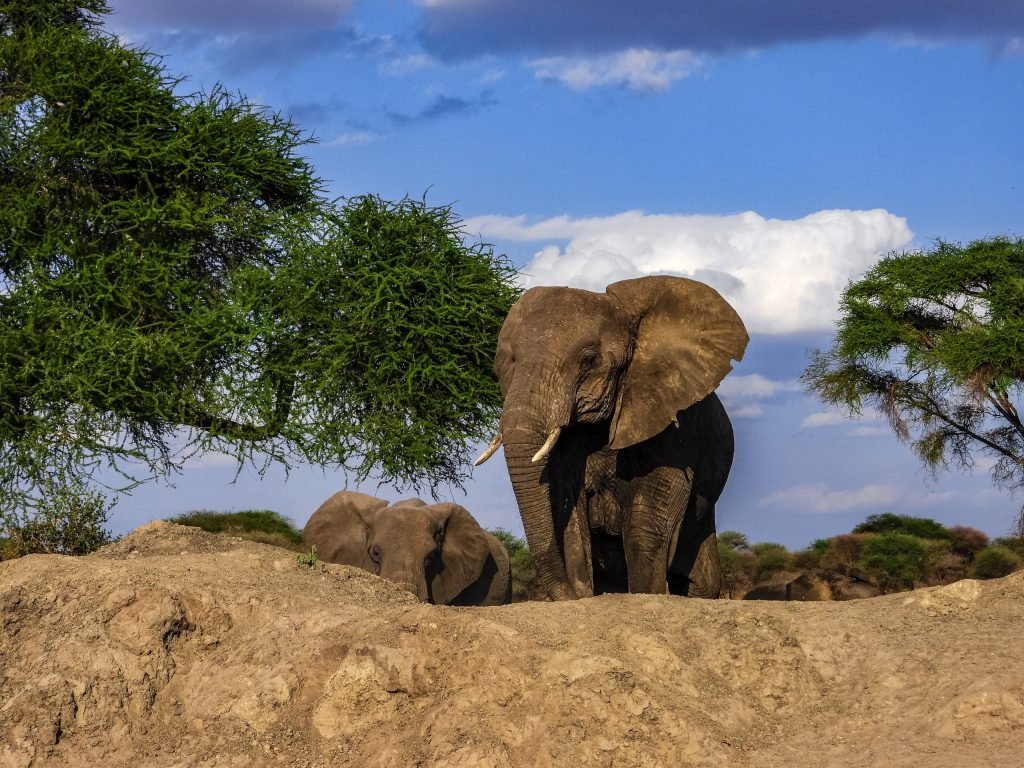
{"x": 175, "y": 647}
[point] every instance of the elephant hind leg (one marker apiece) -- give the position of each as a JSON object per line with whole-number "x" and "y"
{"x": 695, "y": 570}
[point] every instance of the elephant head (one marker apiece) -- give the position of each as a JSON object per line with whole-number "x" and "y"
{"x": 434, "y": 551}
{"x": 625, "y": 361}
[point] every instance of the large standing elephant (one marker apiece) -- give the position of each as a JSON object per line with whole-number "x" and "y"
{"x": 617, "y": 446}
{"x": 436, "y": 551}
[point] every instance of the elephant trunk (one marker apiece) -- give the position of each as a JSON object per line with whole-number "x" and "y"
{"x": 525, "y": 431}
{"x": 409, "y": 577}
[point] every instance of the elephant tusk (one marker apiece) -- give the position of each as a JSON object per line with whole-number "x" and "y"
{"x": 546, "y": 448}
{"x": 489, "y": 451}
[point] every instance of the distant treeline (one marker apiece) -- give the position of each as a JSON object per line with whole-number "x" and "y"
{"x": 897, "y": 552}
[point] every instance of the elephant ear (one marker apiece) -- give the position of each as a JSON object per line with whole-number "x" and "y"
{"x": 463, "y": 552}
{"x": 339, "y": 529}
{"x": 686, "y": 337}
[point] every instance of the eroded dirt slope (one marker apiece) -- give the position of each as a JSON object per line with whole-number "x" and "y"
{"x": 175, "y": 647}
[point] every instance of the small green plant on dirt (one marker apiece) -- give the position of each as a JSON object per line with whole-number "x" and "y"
{"x": 308, "y": 558}
{"x": 261, "y": 525}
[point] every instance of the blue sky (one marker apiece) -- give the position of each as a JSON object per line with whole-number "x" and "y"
{"x": 774, "y": 150}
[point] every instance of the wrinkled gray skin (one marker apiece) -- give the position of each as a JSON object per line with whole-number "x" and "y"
{"x": 625, "y": 500}
{"x": 436, "y": 551}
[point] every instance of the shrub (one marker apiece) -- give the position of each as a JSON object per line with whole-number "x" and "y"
{"x": 733, "y": 540}
{"x": 261, "y": 525}
{"x": 524, "y": 575}
{"x": 994, "y": 562}
{"x": 843, "y": 552}
{"x": 809, "y": 558}
{"x": 1012, "y": 543}
{"x": 921, "y": 527}
{"x": 68, "y": 520}
{"x": 737, "y": 569}
{"x": 770, "y": 558}
{"x": 941, "y": 565}
{"x": 895, "y": 560}
{"x": 967, "y": 541}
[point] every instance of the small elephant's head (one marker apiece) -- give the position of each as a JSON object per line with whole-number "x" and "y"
{"x": 633, "y": 356}
{"x": 434, "y": 551}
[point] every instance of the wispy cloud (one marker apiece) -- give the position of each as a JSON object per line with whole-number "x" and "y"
{"x": 635, "y": 68}
{"x": 745, "y": 395}
{"x": 821, "y": 499}
{"x": 354, "y": 137}
{"x": 782, "y": 275}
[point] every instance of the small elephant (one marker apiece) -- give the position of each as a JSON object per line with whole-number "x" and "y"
{"x": 616, "y": 444}
{"x": 436, "y": 551}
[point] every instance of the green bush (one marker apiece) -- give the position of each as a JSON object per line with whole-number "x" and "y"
{"x": 733, "y": 540}
{"x": 921, "y": 527}
{"x": 261, "y": 525}
{"x": 770, "y": 559}
{"x": 1012, "y": 543}
{"x": 994, "y": 562}
{"x": 524, "y": 575}
{"x": 737, "y": 569}
{"x": 809, "y": 558}
{"x": 843, "y": 552}
{"x": 895, "y": 560}
{"x": 68, "y": 520}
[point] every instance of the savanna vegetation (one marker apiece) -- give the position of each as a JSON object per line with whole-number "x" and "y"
{"x": 895, "y": 552}
{"x": 262, "y": 525}
{"x": 175, "y": 280}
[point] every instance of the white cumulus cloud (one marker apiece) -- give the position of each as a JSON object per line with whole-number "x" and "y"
{"x": 640, "y": 69}
{"x": 782, "y": 275}
{"x": 744, "y": 396}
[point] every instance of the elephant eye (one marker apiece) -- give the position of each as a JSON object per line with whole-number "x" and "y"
{"x": 588, "y": 357}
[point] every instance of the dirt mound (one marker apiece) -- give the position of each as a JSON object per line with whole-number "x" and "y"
{"x": 175, "y": 647}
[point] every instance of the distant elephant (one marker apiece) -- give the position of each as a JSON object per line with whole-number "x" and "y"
{"x": 616, "y": 445}
{"x": 436, "y": 551}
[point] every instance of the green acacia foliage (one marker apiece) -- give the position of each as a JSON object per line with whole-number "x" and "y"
{"x": 934, "y": 340}
{"x": 173, "y": 280}
{"x": 922, "y": 527}
{"x": 896, "y": 560}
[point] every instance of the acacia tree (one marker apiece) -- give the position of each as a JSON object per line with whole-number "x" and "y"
{"x": 934, "y": 339}
{"x": 173, "y": 280}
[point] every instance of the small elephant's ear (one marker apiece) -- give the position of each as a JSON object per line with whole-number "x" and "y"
{"x": 339, "y": 529}
{"x": 463, "y": 552}
{"x": 686, "y": 337}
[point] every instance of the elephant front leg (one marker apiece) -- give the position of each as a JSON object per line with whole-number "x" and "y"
{"x": 578, "y": 556}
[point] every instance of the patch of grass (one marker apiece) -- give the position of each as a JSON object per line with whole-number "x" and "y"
{"x": 261, "y": 525}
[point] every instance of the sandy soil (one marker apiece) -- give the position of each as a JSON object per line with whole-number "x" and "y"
{"x": 174, "y": 647}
